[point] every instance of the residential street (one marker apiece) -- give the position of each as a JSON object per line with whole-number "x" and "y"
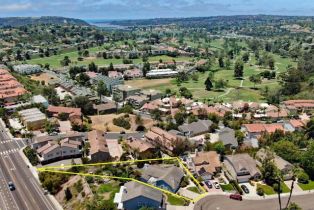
{"x": 28, "y": 193}
{"x": 221, "y": 202}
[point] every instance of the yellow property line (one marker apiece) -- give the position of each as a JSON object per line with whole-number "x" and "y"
{"x": 48, "y": 169}
{"x": 105, "y": 163}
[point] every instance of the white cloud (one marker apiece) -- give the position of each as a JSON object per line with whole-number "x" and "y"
{"x": 15, "y": 7}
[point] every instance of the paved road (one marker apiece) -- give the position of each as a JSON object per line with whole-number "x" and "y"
{"x": 28, "y": 194}
{"x": 221, "y": 202}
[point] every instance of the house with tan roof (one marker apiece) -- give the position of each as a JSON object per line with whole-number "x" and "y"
{"x": 144, "y": 149}
{"x": 73, "y": 114}
{"x": 99, "y": 150}
{"x": 59, "y": 150}
{"x": 207, "y": 164}
{"x": 299, "y": 105}
{"x": 242, "y": 167}
{"x": 158, "y": 137}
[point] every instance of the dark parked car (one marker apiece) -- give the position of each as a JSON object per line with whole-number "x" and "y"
{"x": 11, "y": 186}
{"x": 245, "y": 189}
{"x": 236, "y": 197}
{"x": 208, "y": 184}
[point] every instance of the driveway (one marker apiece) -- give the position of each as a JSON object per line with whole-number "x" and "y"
{"x": 251, "y": 188}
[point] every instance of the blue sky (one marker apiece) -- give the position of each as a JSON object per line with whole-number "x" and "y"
{"x": 131, "y": 9}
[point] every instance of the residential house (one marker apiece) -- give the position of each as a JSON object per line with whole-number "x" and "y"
{"x": 165, "y": 140}
{"x": 73, "y": 114}
{"x": 140, "y": 147}
{"x": 99, "y": 151}
{"x": 39, "y": 99}
{"x": 195, "y": 128}
{"x": 255, "y": 130}
{"x": 284, "y": 166}
{"x": 10, "y": 88}
{"x": 168, "y": 178}
{"x": 294, "y": 125}
{"x": 133, "y": 196}
{"x": 227, "y": 136}
{"x": 39, "y": 141}
{"x": 242, "y": 167}
{"x": 33, "y": 118}
{"x": 298, "y": 105}
{"x": 54, "y": 150}
{"x": 122, "y": 92}
{"x": 133, "y": 73}
{"x": 105, "y": 108}
{"x": 207, "y": 164}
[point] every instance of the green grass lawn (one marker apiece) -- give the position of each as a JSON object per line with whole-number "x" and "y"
{"x": 175, "y": 200}
{"x": 308, "y": 186}
{"x": 268, "y": 190}
{"x": 226, "y": 187}
{"x": 194, "y": 189}
{"x": 111, "y": 188}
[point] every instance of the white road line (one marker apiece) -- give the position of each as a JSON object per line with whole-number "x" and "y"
{"x": 33, "y": 182}
{"x": 3, "y": 201}
{"x": 11, "y": 193}
{"x": 13, "y": 166}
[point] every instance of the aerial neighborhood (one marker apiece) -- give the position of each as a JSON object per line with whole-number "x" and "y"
{"x": 157, "y": 117}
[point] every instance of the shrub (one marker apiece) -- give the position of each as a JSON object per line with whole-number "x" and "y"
{"x": 259, "y": 191}
{"x": 31, "y": 155}
{"x": 122, "y": 122}
{"x": 303, "y": 178}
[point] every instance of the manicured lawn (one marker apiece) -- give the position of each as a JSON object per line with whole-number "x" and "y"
{"x": 175, "y": 200}
{"x": 268, "y": 190}
{"x": 194, "y": 189}
{"x": 308, "y": 186}
{"x": 226, "y": 187}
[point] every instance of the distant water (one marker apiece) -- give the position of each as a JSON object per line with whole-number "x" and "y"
{"x": 103, "y": 23}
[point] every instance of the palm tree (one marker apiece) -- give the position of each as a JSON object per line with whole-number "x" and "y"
{"x": 295, "y": 170}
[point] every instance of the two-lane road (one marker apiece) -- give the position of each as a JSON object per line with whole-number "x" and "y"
{"x": 222, "y": 202}
{"x": 28, "y": 194}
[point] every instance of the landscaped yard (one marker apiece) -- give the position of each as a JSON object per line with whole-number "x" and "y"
{"x": 194, "y": 189}
{"x": 268, "y": 190}
{"x": 226, "y": 187}
{"x": 308, "y": 186}
{"x": 175, "y": 200}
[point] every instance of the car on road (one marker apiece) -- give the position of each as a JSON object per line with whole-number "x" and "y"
{"x": 209, "y": 184}
{"x": 216, "y": 185}
{"x": 236, "y": 197}
{"x": 245, "y": 189}
{"x": 11, "y": 186}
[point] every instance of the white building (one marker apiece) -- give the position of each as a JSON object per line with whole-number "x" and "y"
{"x": 160, "y": 73}
{"x": 27, "y": 69}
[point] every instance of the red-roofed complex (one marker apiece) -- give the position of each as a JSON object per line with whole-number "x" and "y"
{"x": 299, "y": 105}
{"x": 74, "y": 114}
{"x": 256, "y": 129}
{"x": 10, "y": 88}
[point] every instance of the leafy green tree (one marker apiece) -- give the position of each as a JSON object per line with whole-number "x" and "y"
{"x": 68, "y": 194}
{"x": 208, "y": 84}
{"x": 238, "y": 68}
{"x": 102, "y": 89}
{"x": 287, "y": 150}
{"x": 255, "y": 79}
{"x": 146, "y": 68}
{"x": 219, "y": 147}
{"x": 307, "y": 160}
{"x": 179, "y": 117}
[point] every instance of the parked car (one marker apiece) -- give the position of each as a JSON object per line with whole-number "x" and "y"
{"x": 209, "y": 184}
{"x": 216, "y": 185}
{"x": 11, "y": 186}
{"x": 236, "y": 197}
{"x": 245, "y": 189}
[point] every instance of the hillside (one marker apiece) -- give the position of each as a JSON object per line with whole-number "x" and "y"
{"x": 21, "y": 21}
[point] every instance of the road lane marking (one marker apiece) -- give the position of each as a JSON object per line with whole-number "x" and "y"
{"x": 12, "y": 164}
{"x": 40, "y": 192}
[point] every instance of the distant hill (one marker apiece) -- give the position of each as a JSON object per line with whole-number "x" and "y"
{"x": 21, "y": 21}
